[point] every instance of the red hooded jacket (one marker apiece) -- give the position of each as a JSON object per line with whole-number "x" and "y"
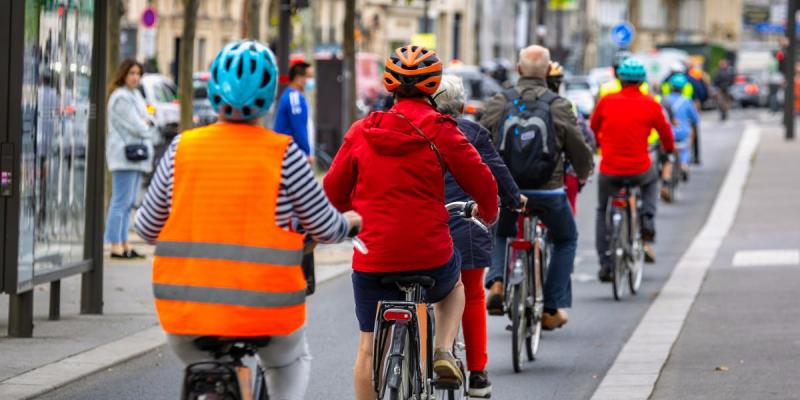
{"x": 389, "y": 174}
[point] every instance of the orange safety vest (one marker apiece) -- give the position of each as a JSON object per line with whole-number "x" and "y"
{"x": 222, "y": 266}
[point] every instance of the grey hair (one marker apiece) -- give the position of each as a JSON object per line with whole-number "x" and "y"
{"x": 534, "y": 61}
{"x": 450, "y": 96}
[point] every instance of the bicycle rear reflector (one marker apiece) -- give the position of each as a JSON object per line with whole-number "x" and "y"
{"x": 619, "y": 203}
{"x": 396, "y": 314}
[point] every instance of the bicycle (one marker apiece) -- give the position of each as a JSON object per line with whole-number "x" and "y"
{"x": 626, "y": 247}
{"x": 404, "y": 337}
{"x": 527, "y": 259}
{"x": 231, "y": 380}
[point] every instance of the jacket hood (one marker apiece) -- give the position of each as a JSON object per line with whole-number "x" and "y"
{"x": 390, "y": 134}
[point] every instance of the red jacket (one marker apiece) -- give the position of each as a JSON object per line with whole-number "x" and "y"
{"x": 389, "y": 174}
{"x": 622, "y": 123}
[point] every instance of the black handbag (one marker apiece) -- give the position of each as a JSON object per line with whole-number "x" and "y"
{"x": 136, "y": 152}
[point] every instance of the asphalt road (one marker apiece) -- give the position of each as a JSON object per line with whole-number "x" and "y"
{"x": 571, "y": 361}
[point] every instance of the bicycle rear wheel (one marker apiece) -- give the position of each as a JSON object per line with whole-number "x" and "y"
{"x": 518, "y": 328}
{"x": 618, "y": 236}
{"x": 398, "y": 367}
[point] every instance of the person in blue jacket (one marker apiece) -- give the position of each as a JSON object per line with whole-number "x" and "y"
{"x": 292, "y": 116}
{"x": 474, "y": 244}
{"x": 685, "y": 119}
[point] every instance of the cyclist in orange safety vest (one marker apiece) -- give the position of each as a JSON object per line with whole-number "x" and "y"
{"x": 220, "y": 209}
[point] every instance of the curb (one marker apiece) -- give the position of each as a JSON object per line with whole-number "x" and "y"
{"x": 50, "y": 377}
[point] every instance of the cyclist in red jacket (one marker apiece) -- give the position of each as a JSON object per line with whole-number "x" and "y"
{"x": 622, "y": 123}
{"x": 391, "y": 170}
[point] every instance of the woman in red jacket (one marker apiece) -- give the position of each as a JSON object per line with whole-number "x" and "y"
{"x": 390, "y": 170}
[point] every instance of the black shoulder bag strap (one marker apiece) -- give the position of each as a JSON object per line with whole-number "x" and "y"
{"x": 424, "y": 136}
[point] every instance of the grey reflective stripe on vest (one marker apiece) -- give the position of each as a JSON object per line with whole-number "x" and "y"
{"x": 234, "y": 297}
{"x": 230, "y": 252}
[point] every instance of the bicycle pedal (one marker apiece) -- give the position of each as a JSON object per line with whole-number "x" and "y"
{"x": 447, "y": 384}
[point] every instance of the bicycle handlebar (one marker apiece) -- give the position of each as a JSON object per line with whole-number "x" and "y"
{"x": 465, "y": 211}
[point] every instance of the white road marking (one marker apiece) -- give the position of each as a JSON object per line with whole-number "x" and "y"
{"x": 766, "y": 258}
{"x": 637, "y": 367}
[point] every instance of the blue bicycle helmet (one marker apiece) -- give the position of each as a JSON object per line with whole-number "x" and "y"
{"x": 678, "y": 81}
{"x": 244, "y": 78}
{"x": 632, "y": 71}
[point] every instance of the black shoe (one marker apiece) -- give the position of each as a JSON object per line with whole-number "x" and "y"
{"x": 479, "y": 385}
{"x": 133, "y": 254}
{"x": 124, "y": 255}
{"x": 604, "y": 273}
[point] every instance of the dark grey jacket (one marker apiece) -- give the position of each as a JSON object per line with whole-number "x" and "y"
{"x": 569, "y": 139}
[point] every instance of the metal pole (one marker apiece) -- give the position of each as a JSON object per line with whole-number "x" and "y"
{"x": 92, "y": 281}
{"x": 284, "y": 40}
{"x": 426, "y": 27}
{"x": 55, "y": 300}
{"x": 20, "y": 315}
{"x": 789, "y": 95}
{"x": 541, "y": 9}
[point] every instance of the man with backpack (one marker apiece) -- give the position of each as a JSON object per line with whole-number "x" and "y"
{"x": 533, "y": 127}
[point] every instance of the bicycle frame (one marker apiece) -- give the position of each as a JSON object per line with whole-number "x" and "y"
{"x": 530, "y": 240}
{"x": 395, "y": 322}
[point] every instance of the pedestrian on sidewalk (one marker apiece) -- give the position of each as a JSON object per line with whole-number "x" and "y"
{"x": 474, "y": 244}
{"x": 224, "y": 228}
{"x": 129, "y": 153}
{"x": 292, "y": 117}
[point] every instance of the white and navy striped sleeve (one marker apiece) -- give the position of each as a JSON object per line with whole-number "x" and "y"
{"x": 302, "y": 196}
{"x": 153, "y": 214}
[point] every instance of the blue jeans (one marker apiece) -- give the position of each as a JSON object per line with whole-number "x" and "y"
{"x": 124, "y": 187}
{"x": 562, "y": 232}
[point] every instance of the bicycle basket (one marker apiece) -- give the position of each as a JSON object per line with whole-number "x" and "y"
{"x": 210, "y": 380}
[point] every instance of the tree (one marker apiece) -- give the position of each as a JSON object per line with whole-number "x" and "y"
{"x": 350, "y": 61}
{"x": 186, "y": 66}
{"x": 252, "y": 19}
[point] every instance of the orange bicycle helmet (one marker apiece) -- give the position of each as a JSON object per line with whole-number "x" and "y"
{"x": 413, "y": 71}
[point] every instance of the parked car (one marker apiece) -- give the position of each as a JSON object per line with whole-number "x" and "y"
{"x": 203, "y": 113}
{"x": 478, "y": 88}
{"x": 751, "y": 90}
{"x": 578, "y": 90}
{"x": 161, "y": 95}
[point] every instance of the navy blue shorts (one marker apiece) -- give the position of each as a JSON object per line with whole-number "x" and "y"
{"x": 367, "y": 289}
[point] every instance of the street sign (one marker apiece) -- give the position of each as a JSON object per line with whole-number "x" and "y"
{"x": 427, "y": 40}
{"x": 622, "y": 34}
{"x": 149, "y": 42}
{"x": 149, "y": 17}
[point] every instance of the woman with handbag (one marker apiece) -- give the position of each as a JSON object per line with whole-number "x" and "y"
{"x": 129, "y": 152}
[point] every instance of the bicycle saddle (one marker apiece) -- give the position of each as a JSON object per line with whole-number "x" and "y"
{"x": 407, "y": 280}
{"x": 218, "y": 343}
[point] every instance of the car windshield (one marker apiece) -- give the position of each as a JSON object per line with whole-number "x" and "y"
{"x": 200, "y": 89}
{"x": 577, "y": 85}
{"x": 479, "y": 87}
{"x": 162, "y": 91}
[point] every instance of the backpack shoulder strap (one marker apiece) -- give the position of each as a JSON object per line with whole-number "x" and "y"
{"x": 549, "y": 97}
{"x": 511, "y": 94}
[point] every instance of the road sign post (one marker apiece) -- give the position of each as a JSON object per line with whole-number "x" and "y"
{"x": 791, "y": 57}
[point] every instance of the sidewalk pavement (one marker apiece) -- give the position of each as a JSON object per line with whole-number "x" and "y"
{"x": 741, "y": 339}
{"x": 78, "y": 345}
